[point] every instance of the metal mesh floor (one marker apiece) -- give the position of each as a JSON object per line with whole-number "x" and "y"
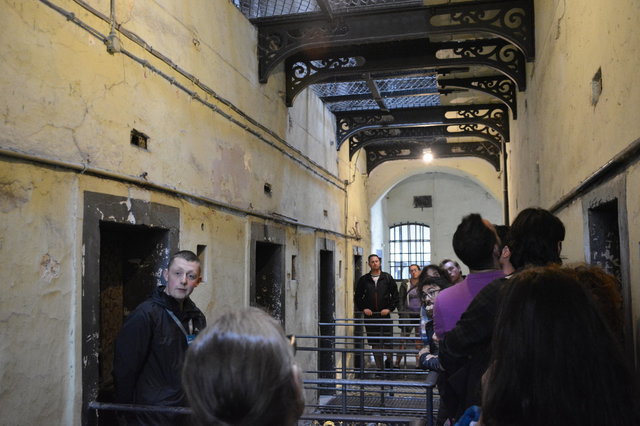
{"x": 377, "y": 405}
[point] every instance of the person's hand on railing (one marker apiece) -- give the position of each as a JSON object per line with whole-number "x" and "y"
{"x": 367, "y": 312}
{"x": 385, "y": 312}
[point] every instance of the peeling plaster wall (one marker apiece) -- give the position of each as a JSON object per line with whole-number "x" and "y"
{"x": 563, "y": 134}
{"x": 39, "y": 303}
{"x": 561, "y": 137}
{"x": 67, "y": 108}
{"x": 83, "y": 102}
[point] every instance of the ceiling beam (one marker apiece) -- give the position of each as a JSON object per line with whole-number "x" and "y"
{"x": 375, "y": 92}
{"x": 377, "y": 155}
{"x": 325, "y": 7}
{"x": 500, "y": 87}
{"x": 494, "y": 116}
{"x": 391, "y": 136}
{"x": 316, "y": 66}
{"x": 280, "y": 37}
{"x": 398, "y": 93}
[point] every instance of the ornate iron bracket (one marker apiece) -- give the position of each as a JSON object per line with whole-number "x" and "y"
{"x": 281, "y": 37}
{"x": 494, "y": 117}
{"x": 511, "y": 20}
{"x": 436, "y": 133}
{"x": 487, "y": 151}
{"x": 318, "y": 66}
{"x": 499, "y": 87}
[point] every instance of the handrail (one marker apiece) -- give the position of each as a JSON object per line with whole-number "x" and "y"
{"x": 112, "y": 406}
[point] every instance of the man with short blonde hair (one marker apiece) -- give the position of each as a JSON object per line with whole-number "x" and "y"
{"x": 151, "y": 345}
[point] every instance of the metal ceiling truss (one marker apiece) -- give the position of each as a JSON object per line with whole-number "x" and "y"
{"x": 500, "y": 87}
{"x": 441, "y": 133}
{"x": 381, "y": 67}
{"x": 494, "y": 117}
{"x": 280, "y": 37}
{"x": 317, "y": 66}
{"x": 380, "y": 154}
{"x": 397, "y": 90}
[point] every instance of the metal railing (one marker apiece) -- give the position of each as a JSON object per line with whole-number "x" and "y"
{"x": 353, "y": 388}
{"x": 349, "y": 392}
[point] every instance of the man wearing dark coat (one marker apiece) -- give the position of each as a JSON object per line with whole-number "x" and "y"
{"x": 376, "y": 297}
{"x": 151, "y": 346}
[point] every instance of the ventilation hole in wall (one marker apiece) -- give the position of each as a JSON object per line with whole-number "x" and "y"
{"x": 596, "y": 87}
{"x": 267, "y": 189}
{"x": 340, "y": 269}
{"x": 422, "y": 201}
{"x": 326, "y": 213}
{"x": 139, "y": 139}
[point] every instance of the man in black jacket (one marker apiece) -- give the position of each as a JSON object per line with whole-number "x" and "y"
{"x": 151, "y": 346}
{"x": 377, "y": 296}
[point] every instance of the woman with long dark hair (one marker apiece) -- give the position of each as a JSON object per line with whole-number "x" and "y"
{"x": 555, "y": 359}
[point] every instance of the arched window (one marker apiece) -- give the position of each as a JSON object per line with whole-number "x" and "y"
{"x": 409, "y": 243}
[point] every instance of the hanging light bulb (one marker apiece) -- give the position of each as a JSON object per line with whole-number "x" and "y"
{"x": 427, "y": 156}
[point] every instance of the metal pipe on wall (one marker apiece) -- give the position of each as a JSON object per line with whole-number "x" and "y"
{"x": 82, "y": 168}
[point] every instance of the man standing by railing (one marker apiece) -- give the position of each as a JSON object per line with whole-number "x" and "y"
{"x": 377, "y": 296}
{"x": 151, "y": 346}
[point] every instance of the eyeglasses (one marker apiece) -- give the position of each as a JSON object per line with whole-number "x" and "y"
{"x": 429, "y": 293}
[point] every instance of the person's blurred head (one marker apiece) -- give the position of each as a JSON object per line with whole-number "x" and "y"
{"x": 606, "y": 292}
{"x": 240, "y": 371}
{"x": 182, "y": 275}
{"x": 428, "y": 289}
{"x": 475, "y": 242}
{"x": 535, "y": 238}
{"x": 432, "y": 270}
{"x": 374, "y": 263}
{"x": 554, "y": 359}
{"x": 414, "y": 271}
{"x": 452, "y": 270}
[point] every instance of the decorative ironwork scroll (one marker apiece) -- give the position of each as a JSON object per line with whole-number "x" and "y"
{"x": 491, "y": 119}
{"x": 319, "y": 66}
{"x": 500, "y": 87}
{"x": 511, "y": 20}
{"x": 435, "y": 133}
{"x": 487, "y": 151}
{"x": 409, "y": 151}
{"x": 280, "y": 37}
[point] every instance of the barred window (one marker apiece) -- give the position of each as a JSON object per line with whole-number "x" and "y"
{"x": 409, "y": 243}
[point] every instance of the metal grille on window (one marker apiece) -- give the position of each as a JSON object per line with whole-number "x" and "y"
{"x": 409, "y": 243}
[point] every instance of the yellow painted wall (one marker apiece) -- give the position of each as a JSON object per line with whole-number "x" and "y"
{"x": 561, "y": 137}
{"x": 68, "y": 108}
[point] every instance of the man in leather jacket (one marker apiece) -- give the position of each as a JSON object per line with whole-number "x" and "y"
{"x": 377, "y": 296}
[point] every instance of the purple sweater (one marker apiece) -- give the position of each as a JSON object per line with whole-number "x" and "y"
{"x": 453, "y": 301}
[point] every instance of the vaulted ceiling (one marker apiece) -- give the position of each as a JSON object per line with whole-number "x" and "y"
{"x": 403, "y": 76}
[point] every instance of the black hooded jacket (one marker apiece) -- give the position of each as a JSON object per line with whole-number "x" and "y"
{"x": 150, "y": 350}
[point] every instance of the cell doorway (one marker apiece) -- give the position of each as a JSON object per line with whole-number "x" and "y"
{"x": 267, "y": 291}
{"x": 606, "y": 237}
{"x": 131, "y": 260}
{"x": 123, "y": 261}
{"x": 326, "y": 312}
